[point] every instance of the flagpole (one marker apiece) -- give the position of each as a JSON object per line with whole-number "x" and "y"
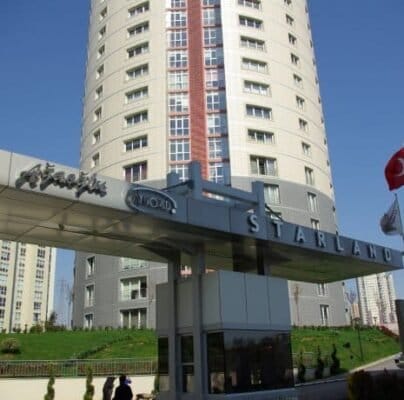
{"x": 399, "y": 215}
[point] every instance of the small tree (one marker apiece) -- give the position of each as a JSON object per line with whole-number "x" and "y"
{"x": 50, "y": 394}
{"x": 10, "y": 346}
{"x": 50, "y": 323}
{"x": 89, "y": 394}
{"x": 320, "y": 365}
{"x": 335, "y": 364}
{"x": 301, "y": 369}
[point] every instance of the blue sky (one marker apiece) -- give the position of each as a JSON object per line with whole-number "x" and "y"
{"x": 360, "y": 59}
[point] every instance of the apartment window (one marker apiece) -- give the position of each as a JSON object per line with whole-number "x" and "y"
{"x": 139, "y": 9}
{"x": 137, "y": 71}
{"x": 176, "y": 19}
{"x": 219, "y": 172}
{"x": 178, "y": 103}
{"x": 136, "y": 143}
{"x": 289, "y": 20}
{"x": 176, "y": 3}
{"x": 18, "y": 305}
{"x": 99, "y": 72}
{"x": 102, "y": 32}
{"x": 300, "y": 103}
{"x": 179, "y": 126}
{"x": 89, "y": 299}
{"x": 136, "y": 94}
{"x": 297, "y": 80}
{"x": 101, "y": 51}
{"x": 271, "y": 194}
{"x": 213, "y": 57}
{"x": 133, "y": 288}
{"x": 212, "y": 36}
{"x": 136, "y": 118}
{"x": 250, "y": 3}
{"x": 98, "y": 92}
{"x": 315, "y": 224}
{"x": 37, "y": 305}
{"x": 177, "y": 38}
{"x": 138, "y": 29}
{"x": 292, "y": 39}
{"x": 250, "y": 22}
{"x": 211, "y": 2}
{"x": 312, "y": 200}
{"x": 322, "y": 289}
{"x": 134, "y": 318}
{"x": 306, "y": 149}
{"x": 180, "y": 150}
{"x": 214, "y": 78}
{"x": 258, "y": 111}
{"x": 261, "y": 136}
{"x": 95, "y": 161}
{"x": 88, "y": 321}
{"x": 256, "y": 88}
{"x": 181, "y": 170}
{"x": 39, "y": 274}
{"x": 96, "y": 136}
{"x": 324, "y": 314}
{"x": 215, "y": 101}
{"x": 288, "y": 2}
{"x": 217, "y": 123}
{"x": 3, "y": 290}
{"x": 252, "y": 43}
{"x": 131, "y": 263}
{"x": 263, "y": 166}
{"x": 138, "y": 50}
{"x": 136, "y": 172}
{"x": 303, "y": 125}
{"x": 23, "y": 251}
{"x": 294, "y": 59}
{"x": 97, "y": 114}
{"x": 217, "y": 148}
{"x": 178, "y": 59}
{"x": 2, "y": 301}
{"x": 103, "y": 13}
{"x": 309, "y": 175}
{"x": 90, "y": 266}
{"x": 254, "y": 65}
{"x": 178, "y": 80}
{"x": 211, "y": 16}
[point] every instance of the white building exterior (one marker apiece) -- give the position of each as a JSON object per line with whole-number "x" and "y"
{"x": 377, "y": 299}
{"x": 230, "y": 83}
{"x": 27, "y": 274}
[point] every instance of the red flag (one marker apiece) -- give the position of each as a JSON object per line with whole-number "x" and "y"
{"x": 394, "y": 170}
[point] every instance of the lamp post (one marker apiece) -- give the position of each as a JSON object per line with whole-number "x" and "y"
{"x": 357, "y": 322}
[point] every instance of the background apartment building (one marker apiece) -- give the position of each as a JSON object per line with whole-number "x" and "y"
{"x": 376, "y": 297}
{"x": 27, "y": 274}
{"x": 230, "y": 83}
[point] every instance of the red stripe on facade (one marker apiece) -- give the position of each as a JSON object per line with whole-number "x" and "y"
{"x": 197, "y": 86}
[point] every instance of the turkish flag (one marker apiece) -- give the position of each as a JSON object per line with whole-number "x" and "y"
{"x": 394, "y": 171}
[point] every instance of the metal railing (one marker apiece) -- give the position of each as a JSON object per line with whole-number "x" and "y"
{"x": 71, "y": 368}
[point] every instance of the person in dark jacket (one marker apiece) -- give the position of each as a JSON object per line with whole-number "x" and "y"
{"x": 123, "y": 391}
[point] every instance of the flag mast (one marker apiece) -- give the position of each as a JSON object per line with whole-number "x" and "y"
{"x": 399, "y": 216}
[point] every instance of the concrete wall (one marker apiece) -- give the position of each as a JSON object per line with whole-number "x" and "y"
{"x": 65, "y": 388}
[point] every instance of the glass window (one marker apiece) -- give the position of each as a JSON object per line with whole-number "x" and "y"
{"x": 136, "y": 94}
{"x": 133, "y": 288}
{"x": 181, "y": 170}
{"x": 219, "y": 172}
{"x": 211, "y": 16}
{"x": 138, "y": 50}
{"x": 261, "y": 136}
{"x": 177, "y": 38}
{"x": 258, "y": 111}
{"x": 312, "y": 199}
{"x": 138, "y": 29}
{"x": 250, "y": 22}
{"x": 187, "y": 363}
{"x": 179, "y": 126}
{"x": 89, "y": 296}
{"x": 176, "y": 19}
{"x": 271, "y": 193}
{"x": 240, "y": 361}
{"x": 309, "y": 175}
{"x": 90, "y": 266}
{"x": 162, "y": 349}
{"x": 178, "y": 80}
{"x": 254, "y": 65}
{"x": 217, "y": 148}
{"x": 137, "y": 71}
{"x": 139, "y": 9}
{"x": 178, "y": 103}
{"x": 212, "y": 36}
{"x": 213, "y": 56}
{"x": 256, "y": 88}
{"x": 325, "y": 314}
{"x": 136, "y": 118}
{"x": 252, "y": 43}
{"x": 263, "y": 166}
{"x": 136, "y": 143}
{"x": 214, "y": 78}
{"x": 178, "y": 59}
{"x": 217, "y": 123}
{"x": 136, "y": 172}
{"x": 215, "y": 101}
{"x": 134, "y": 318}
{"x": 250, "y": 3}
{"x": 306, "y": 149}
{"x": 180, "y": 150}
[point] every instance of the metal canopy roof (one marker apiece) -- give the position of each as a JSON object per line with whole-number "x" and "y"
{"x": 59, "y": 206}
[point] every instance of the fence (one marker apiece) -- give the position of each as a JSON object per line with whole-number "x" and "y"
{"x": 71, "y": 368}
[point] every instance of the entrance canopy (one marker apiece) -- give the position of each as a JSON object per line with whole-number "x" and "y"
{"x": 55, "y": 205}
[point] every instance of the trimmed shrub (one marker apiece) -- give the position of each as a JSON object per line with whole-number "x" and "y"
{"x": 89, "y": 394}
{"x": 301, "y": 369}
{"x": 319, "y": 372}
{"x": 50, "y": 394}
{"x": 335, "y": 363}
{"x": 10, "y": 346}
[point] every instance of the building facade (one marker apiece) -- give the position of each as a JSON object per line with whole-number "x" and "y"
{"x": 377, "y": 299}
{"x": 27, "y": 274}
{"x": 230, "y": 83}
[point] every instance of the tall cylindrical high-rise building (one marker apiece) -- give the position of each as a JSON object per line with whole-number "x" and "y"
{"x": 230, "y": 83}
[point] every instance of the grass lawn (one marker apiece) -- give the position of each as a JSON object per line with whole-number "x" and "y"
{"x": 69, "y": 344}
{"x": 375, "y": 344}
{"x": 142, "y": 344}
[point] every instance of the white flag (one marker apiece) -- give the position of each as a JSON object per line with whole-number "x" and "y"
{"x": 391, "y": 221}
